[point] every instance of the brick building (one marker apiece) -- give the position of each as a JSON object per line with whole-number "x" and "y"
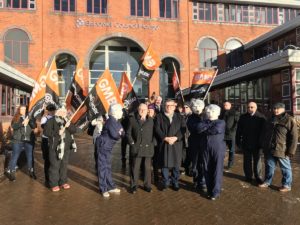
{"x": 109, "y": 33}
{"x": 270, "y": 72}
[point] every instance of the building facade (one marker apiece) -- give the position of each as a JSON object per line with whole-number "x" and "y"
{"x": 270, "y": 72}
{"x": 113, "y": 34}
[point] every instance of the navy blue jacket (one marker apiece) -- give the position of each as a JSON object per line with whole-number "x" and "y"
{"x": 112, "y": 131}
{"x": 213, "y": 132}
{"x": 195, "y": 137}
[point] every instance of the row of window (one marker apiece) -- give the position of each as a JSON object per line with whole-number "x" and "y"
{"x": 18, "y": 4}
{"x": 140, "y": 8}
{"x": 249, "y": 14}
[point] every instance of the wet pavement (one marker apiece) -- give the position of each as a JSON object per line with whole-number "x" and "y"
{"x": 28, "y": 202}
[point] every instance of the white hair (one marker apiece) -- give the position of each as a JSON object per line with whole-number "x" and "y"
{"x": 197, "y": 102}
{"x": 214, "y": 108}
{"x": 113, "y": 108}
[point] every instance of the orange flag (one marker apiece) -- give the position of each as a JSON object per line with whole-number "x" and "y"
{"x": 150, "y": 61}
{"x": 52, "y": 89}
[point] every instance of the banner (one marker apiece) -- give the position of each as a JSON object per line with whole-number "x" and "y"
{"x": 38, "y": 94}
{"x": 103, "y": 94}
{"x": 52, "y": 89}
{"x": 78, "y": 91}
{"x": 127, "y": 94}
{"x": 201, "y": 82}
{"x": 150, "y": 61}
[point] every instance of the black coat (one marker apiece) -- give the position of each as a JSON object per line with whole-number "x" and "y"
{"x": 249, "y": 130}
{"x": 169, "y": 155}
{"x": 231, "y": 118}
{"x": 140, "y": 136}
{"x": 51, "y": 130}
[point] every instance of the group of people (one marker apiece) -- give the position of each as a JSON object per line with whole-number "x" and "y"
{"x": 167, "y": 137}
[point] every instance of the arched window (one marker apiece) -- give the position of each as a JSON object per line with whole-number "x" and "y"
{"x": 208, "y": 53}
{"x": 16, "y": 46}
{"x": 234, "y": 56}
{"x": 166, "y": 72}
{"x": 118, "y": 55}
{"x": 66, "y": 66}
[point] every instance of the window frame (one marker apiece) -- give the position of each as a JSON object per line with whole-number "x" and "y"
{"x": 289, "y": 90}
{"x": 143, "y": 7}
{"x": 173, "y": 14}
{"x": 12, "y": 42}
{"x": 8, "y": 4}
{"x": 100, "y": 7}
{"x": 205, "y": 51}
{"x": 61, "y": 6}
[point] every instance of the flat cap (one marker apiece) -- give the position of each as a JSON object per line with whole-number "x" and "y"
{"x": 279, "y": 105}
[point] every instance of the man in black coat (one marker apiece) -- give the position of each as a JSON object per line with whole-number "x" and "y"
{"x": 249, "y": 129}
{"x": 140, "y": 138}
{"x": 231, "y": 117}
{"x": 169, "y": 130}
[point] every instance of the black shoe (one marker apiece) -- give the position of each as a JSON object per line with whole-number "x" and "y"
{"x": 32, "y": 174}
{"x": 148, "y": 189}
{"x": 249, "y": 180}
{"x": 165, "y": 187}
{"x": 176, "y": 188}
{"x": 133, "y": 190}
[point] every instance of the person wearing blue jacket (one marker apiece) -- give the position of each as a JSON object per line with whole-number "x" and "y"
{"x": 111, "y": 133}
{"x": 213, "y": 150}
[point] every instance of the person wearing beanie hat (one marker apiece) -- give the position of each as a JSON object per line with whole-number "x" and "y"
{"x": 151, "y": 110}
{"x": 187, "y": 108}
{"x": 279, "y": 142}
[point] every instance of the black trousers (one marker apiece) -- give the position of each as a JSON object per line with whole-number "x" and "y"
{"x": 136, "y": 165}
{"x": 58, "y": 168}
{"x": 45, "y": 151}
{"x": 252, "y": 164}
{"x": 123, "y": 148}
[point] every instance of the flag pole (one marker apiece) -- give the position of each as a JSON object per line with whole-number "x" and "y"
{"x": 178, "y": 82}
{"x": 210, "y": 85}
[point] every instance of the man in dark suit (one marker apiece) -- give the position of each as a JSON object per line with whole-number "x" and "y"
{"x": 140, "y": 138}
{"x": 248, "y": 134}
{"x": 231, "y": 117}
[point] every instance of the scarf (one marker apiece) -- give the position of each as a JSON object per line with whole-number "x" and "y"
{"x": 170, "y": 116}
{"x": 61, "y": 143}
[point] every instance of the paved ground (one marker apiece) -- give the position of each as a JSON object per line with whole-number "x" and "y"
{"x": 28, "y": 202}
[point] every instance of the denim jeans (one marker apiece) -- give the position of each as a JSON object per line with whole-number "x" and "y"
{"x": 285, "y": 166}
{"x": 174, "y": 177}
{"x": 17, "y": 148}
{"x": 231, "y": 146}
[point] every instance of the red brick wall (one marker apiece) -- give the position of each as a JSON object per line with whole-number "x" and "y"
{"x": 54, "y": 33}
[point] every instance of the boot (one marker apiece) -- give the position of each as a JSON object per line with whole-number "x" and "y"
{"x": 32, "y": 174}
